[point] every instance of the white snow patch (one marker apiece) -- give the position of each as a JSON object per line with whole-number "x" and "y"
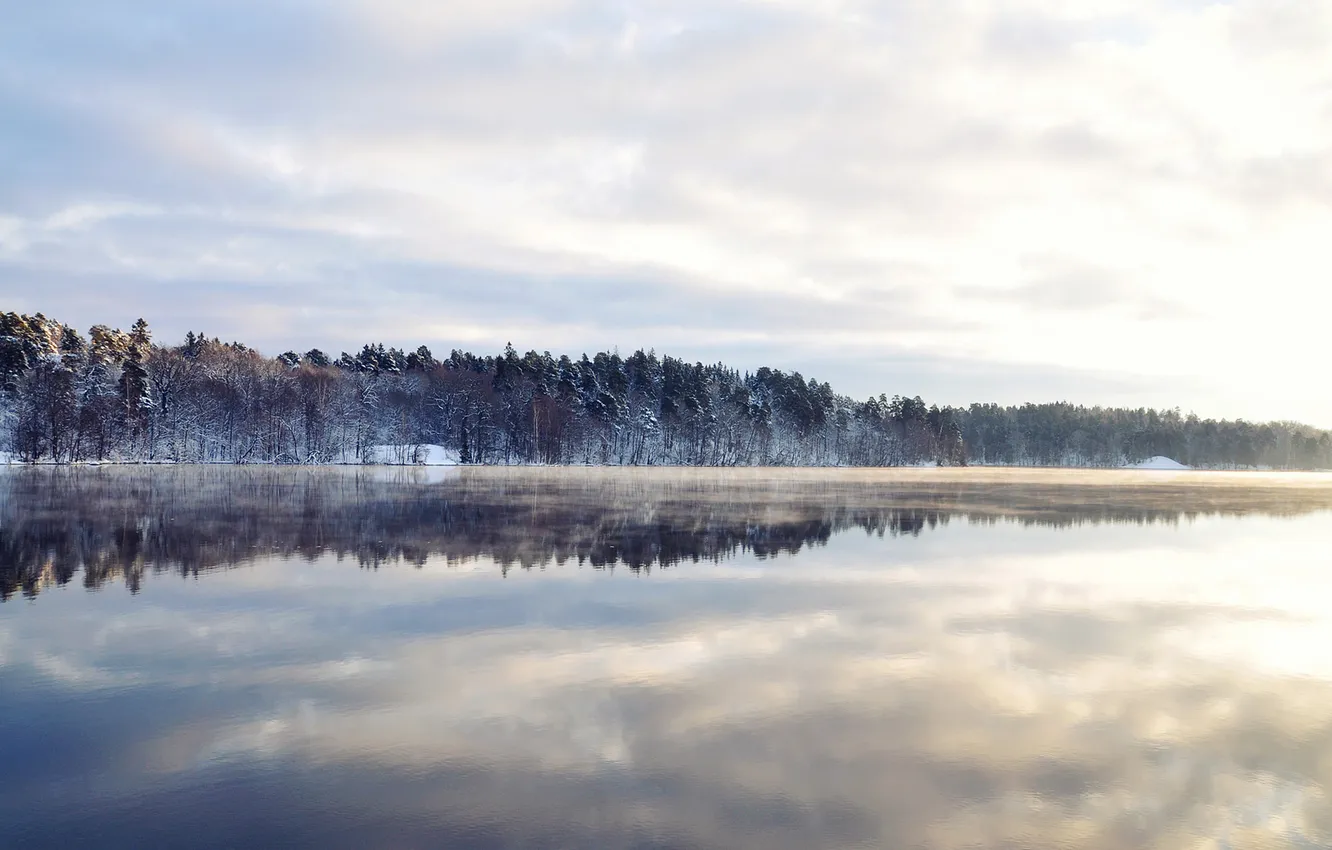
{"x": 1157, "y": 462}
{"x": 7, "y": 458}
{"x": 409, "y": 455}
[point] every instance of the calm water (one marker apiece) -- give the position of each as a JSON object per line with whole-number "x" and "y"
{"x": 547, "y": 659}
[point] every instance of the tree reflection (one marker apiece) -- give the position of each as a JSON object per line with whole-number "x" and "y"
{"x": 122, "y": 523}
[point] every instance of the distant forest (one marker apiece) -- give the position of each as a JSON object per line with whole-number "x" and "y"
{"x": 117, "y": 395}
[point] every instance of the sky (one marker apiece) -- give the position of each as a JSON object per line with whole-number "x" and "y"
{"x": 1107, "y": 202}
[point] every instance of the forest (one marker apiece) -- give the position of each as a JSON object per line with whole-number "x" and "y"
{"x": 114, "y": 395}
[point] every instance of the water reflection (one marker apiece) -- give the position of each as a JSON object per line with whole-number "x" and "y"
{"x": 1133, "y": 679}
{"x": 108, "y": 524}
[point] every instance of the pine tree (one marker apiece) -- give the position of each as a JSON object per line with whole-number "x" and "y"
{"x": 134, "y": 396}
{"x": 315, "y": 357}
{"x": 464, "y": 453}
{"x": 141, "y": 336}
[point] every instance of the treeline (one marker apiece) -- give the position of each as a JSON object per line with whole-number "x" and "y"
{"x": 119, "y": 395}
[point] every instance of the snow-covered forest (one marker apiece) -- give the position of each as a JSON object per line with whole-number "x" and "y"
{"x": 118, "y": 395}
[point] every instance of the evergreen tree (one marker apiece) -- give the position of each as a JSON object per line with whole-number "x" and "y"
{"x": 133, "y": 384}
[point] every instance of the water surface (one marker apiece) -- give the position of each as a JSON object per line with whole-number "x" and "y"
{"x": 224, "y": 657}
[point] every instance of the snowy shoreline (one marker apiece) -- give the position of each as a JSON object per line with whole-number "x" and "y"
{"x": 1129, "y": 468}
{"x": 432, "y": 456}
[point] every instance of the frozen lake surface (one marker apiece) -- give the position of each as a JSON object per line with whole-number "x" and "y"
{"x": 767, "y": 659}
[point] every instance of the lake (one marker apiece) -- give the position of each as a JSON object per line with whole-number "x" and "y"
{"x": 484, "y": 658}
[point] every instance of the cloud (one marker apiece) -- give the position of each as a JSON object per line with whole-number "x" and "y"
{"x": 855, "y": 172}
{"x": 1055, "y": 284}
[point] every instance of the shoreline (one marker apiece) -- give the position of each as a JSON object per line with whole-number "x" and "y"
{"x": 96, "y": 464}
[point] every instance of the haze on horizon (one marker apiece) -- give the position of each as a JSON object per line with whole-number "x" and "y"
{"x": 1105, "y": 202}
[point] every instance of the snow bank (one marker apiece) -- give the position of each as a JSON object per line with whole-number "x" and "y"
{"x": 7, "y": 458}
{"x": 413, "y": 455}
{"x": 1157, "y": 462}
{"x": 439, "y": 456}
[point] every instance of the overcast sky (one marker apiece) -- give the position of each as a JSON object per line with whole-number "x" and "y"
{"x": 1105, "y": 202}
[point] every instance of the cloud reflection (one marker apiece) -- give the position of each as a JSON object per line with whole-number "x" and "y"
{"x": 993, "y": 691}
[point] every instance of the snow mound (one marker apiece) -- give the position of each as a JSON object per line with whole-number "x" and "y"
{"x": 409, "y": 455}
{"x": 1157, "y": 462}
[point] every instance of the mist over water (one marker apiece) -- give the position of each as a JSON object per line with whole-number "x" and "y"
{"x": 664, "y": 658}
